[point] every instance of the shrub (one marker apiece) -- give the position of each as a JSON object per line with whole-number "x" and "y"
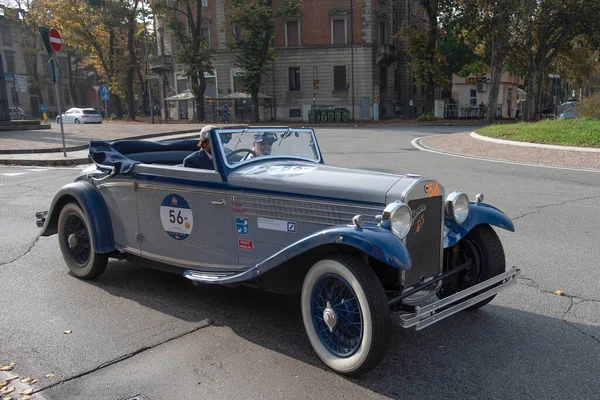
{"x": 589, "y": 107}
{"x": 426, "y": 118}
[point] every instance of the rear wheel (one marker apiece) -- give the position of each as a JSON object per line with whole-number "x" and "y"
{"x": 345, "y": 314}
{"x": 482, "y": 247}
{"x": 76, "y": 243}
{"x": 77, "y": 121}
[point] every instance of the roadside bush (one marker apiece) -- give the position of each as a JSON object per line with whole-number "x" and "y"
{"x": 112, "y": 116}
{"x": 589, "y": 107}
{"x": 426, "y": 118}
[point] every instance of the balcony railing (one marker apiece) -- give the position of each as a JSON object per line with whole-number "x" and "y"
{"x": 161, "y": 63}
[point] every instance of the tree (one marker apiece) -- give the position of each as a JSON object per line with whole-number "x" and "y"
{"x": 548, "y": 26}
{"x": 253, "y": 46}
{"x": 184, "y": 20}
{"x": 426, "y": 61}
{"x": 97, "y": 27}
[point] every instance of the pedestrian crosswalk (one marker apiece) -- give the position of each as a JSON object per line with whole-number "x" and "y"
{"x": 12, "y": 172}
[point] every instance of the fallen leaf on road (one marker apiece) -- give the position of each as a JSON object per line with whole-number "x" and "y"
{"x": 67, "y": 332}
{"x": 34, "y": 381}
{"x": 12, "y": 378}
{"x": 26, "y": 391}
{"x": 26, "y": 380}
{"x": 7, "y": 390}
{"x": 7, "y": 398}
{"x": 13, "y": 363}
{"x": 6, "y": 368}
{"x": 50, "y": 375}
{"x": 25, "y": 398}
{"x": 559, "y": 293}
{"x": 3, "y": 383}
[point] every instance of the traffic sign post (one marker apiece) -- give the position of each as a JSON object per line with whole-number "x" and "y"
{"x": 57, "y": 90}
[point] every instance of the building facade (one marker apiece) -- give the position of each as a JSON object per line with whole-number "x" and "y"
{"x": 334, "y": 54}
{"x": 28, "y": 79}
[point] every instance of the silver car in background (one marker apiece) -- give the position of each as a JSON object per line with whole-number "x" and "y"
{"x": 80, "y": 116}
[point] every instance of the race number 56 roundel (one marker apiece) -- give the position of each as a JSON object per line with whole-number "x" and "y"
{"x": 176, "y": 217}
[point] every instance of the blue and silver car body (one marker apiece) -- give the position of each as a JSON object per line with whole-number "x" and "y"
{"x": 244, "y": 220}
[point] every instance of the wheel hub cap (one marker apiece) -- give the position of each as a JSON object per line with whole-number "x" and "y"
{"x": 330, "y": 317}
{"x": 72, "y": 241}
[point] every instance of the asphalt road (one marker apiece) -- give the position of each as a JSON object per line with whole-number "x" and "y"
{"x": 139, "y": 331}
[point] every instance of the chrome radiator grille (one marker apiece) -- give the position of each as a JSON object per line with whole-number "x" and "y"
{"x": 424, "y": 241}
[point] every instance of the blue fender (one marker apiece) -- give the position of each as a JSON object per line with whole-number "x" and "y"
{"x": 378, "y": 242}
{"x": 94, "y": 208}
{"x": 479, "y": 213}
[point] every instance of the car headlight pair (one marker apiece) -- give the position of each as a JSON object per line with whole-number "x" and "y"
{"x": 397, "y": 216}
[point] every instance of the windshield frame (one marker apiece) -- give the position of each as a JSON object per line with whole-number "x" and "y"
{"x": 278, "y": 131}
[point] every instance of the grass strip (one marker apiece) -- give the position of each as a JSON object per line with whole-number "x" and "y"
{"x": 580, "y": 132}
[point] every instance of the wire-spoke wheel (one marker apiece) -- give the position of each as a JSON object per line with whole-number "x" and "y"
{"x": 345, "y": 314}
{"x": 76, "y": 244}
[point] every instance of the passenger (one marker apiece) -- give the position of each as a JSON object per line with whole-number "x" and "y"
{"x": 202, "y": 158}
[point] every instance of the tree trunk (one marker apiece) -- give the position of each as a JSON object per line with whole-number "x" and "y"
{"x": 432, "y": 10}
{"x": 254, "y": 95}
{"x": 130, "y": 71}
{"x": 199, "y": 87}
{"x": 532, "y": 93}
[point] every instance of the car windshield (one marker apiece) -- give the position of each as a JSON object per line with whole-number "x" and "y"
{"x": 243, "y": 145}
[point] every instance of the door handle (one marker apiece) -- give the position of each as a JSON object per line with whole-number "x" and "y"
{"x": 218, "y": 203}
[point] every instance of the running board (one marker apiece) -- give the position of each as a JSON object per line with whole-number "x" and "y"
{"x": 212, "y": 276}
{"x": 435, "y": 312}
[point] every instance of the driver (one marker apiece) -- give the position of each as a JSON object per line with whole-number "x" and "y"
{"x": 263, "y": 143}
{"x": 202, "y": 158}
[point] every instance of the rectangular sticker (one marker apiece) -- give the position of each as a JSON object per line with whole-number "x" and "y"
{"x": 241, "y": 225}
{"x": 277, "y": 225}
{"x": 245, "y": 245}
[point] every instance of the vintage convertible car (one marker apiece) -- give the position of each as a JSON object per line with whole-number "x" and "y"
{"x": 355, "y": 245}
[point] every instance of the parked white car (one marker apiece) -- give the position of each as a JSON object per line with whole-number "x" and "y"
{"x": 80, "y": 116}
{"x": 16, "y": 113}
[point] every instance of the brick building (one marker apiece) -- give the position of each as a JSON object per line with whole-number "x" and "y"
{"x": 345, "y": 45}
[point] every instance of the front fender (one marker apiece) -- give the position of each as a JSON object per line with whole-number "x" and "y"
{"x": 94, "y": 208}
{"x": 479, "y": 213}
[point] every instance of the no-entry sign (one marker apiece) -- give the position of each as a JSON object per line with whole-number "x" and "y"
{"x": 55, "y": 40}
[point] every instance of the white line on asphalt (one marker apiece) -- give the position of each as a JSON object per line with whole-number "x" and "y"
{"x": 14, "y": 174}
{"x": 416, "y": 143}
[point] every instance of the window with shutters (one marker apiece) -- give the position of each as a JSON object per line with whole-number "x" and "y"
{"x": 338, "y": 27}
{"x": 339, "y": 77}
{"x": 294, "y": 79}
{"x": 10, "y": 62}
{"x": 6, "y": 36}
{"x": 292, "y": 33}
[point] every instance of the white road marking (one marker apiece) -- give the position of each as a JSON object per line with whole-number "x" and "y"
{"x": 416, "y": 144}
{"x": 14, "y": 174}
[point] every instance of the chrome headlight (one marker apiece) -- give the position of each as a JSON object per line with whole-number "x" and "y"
{"x": 399, "y": 217}
{"x": 457, "y": 206}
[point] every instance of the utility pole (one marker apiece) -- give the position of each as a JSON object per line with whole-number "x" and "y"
{"x": 147, "y": 65}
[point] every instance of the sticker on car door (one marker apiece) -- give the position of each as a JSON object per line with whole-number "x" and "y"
{"x": 176, "y": 216}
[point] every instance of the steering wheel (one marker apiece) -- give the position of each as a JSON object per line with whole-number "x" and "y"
{"x": 234, "y": 152}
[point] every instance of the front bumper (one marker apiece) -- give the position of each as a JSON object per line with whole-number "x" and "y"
{"x": 437, "y": 311}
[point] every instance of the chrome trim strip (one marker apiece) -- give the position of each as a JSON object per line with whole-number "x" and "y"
{"x": 201, "y": 276}
{"x": 425, "y": 316}
{"x": 115, "y": 184}
{"x": 238, "y": 197}
{"x": 169, "y": 260}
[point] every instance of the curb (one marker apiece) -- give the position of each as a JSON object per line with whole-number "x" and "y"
{"x": 537, "y": 145}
